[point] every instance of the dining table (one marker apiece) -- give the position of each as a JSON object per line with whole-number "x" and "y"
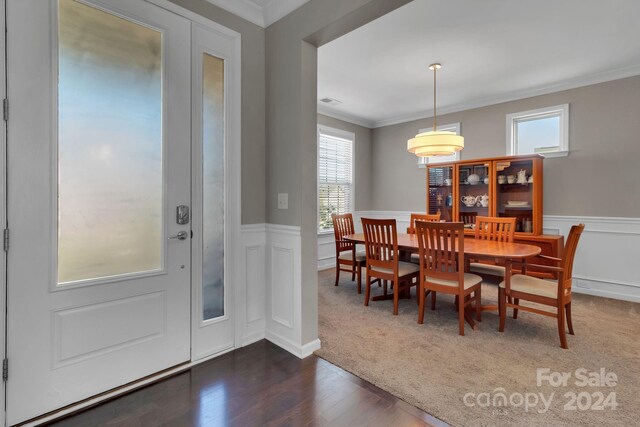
{"x": 473, "y": 248}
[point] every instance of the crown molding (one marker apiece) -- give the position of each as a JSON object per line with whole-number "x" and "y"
{"x": 273, "y": 10}
{"x": 514, "y": 96}
{"x": 345, "y": 117}
{"x": 260, "y": 13}
{"x": 245, "y": 9}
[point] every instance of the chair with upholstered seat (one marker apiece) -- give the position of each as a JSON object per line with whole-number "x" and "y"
{"x": 421, "y": 217}
{"x": 500, "y": 229}
{"x": 441, "y": 251}
{"x": 381, "y": 245}
{"x": 346, "y": 254}
{"x": 412, "y": 228}
{"x": 554, "y": 293}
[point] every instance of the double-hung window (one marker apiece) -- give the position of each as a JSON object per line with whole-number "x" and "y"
{"x": 543, "y": 131}
{"x": 335, "y": 175}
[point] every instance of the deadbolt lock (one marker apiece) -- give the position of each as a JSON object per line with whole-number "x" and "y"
{"x": 182, "y": 214}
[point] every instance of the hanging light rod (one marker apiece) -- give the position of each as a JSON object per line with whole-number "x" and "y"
{"x": 434, "y": 67}
{"x": 434, "y": 142}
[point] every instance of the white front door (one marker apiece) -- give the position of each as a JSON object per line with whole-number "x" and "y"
{"x": 99, "y": 159}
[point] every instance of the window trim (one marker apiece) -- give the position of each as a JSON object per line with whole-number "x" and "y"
{"x": 540, "y": 113}
{"x": 343, "y": 134}
{"x": 424, "y": 161}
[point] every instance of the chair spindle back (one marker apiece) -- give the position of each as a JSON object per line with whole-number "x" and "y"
{"x": 497, "y": 229}
{"x": 569, "y": 254}
{"x": 381, "y": 243}
{"x": 441, "y": 249}
{"x": 468, "y": 217}
{"x": 421, "y": 217}
{"x": 343, "y": 226}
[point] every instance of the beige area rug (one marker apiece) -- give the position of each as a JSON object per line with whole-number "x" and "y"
{"x": 462, "y": 379}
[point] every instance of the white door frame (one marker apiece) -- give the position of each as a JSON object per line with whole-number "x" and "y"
{"x": 213, "y": 336}
{"x": 233, "y": 249}
{"x": 232, "y": 170}
{"x": 3, "y": 207}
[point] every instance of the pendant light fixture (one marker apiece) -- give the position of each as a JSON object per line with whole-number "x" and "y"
{"x": 435, "y": 142}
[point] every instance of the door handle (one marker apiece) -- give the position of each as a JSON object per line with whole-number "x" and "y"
{"x": 182, "y": 235}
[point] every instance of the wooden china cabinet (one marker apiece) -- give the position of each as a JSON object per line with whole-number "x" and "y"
{"x": 509, "y": 186}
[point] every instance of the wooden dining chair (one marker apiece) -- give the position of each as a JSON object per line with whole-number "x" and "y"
{"x": 382, "y": 263}
{"x": 468, "y": 217}
{"x": 498, "y": 230}
{"x": 441, "y": 250}
{"x": 421, "y": 217}
{"x": 412, "y": 228}
{"x": 346, "y": 254}
{"x": 554, "y": 293}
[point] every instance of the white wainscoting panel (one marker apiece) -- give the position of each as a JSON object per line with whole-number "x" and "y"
{"x": 606, "y": 255}
{"x": 270, "y": 302}
{"x": 326, "y": 251}
{"x": 284, "y": 290}
{"x": 403, "y": 218}
{"x": 607, "y": 252}
{"x": 283, "y": 285}
{"x": 252, "y": 292}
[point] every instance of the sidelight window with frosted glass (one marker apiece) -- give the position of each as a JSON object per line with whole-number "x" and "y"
{"x": 213, "y": 291}
{"x": 110, "y": 147}
{"x": 335, "y": 175}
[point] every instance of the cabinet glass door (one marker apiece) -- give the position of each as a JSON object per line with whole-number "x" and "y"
{"x": 440, "y": 192}
{"x": 514, "y": 192}
{"x": 473, "y": 192}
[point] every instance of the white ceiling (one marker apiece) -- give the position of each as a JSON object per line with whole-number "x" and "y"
{"x": 260, "y": 12}
{"x": 491, "y": 51}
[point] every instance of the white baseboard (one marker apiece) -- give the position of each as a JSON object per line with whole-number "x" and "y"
{"x": 607, "y": 252}
{"x": 298, "y": 350}
{"x": 606, "y": 290}
{"x": 327, "y": 263}
{"x": 252, "y": 338}
{"x": 310, "y": 347}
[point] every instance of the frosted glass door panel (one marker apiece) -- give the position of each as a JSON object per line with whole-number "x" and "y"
{"x": 213, "y": 187}
{"x": 110, "y": 149}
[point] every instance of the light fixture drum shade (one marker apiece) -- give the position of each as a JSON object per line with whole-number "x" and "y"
{"x": 435, "y": 143}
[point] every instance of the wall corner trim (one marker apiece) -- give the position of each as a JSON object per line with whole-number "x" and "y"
{"x": 300, "y": 351}
{"x": 272, "y": 288}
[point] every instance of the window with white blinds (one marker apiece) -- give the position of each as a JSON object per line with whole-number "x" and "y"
{"x": 335, "y": 175}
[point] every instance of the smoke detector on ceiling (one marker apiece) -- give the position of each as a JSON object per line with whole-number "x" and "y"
{"x": 331, "y": 101}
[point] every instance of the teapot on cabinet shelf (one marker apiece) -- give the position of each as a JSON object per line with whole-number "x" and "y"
{"x": 522, "y": 177}
{"x": 483, "y": 200}
{"x": 469, "y": 201}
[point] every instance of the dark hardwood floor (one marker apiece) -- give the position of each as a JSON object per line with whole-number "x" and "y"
{"x": 258, "y": 385}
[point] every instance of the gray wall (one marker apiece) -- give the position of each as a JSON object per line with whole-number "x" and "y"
{"x": 598, "y": 178}
{"x": 253, "y": 105}
{"x": 291, "y": 66}
{"x": 362, "y": 152}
